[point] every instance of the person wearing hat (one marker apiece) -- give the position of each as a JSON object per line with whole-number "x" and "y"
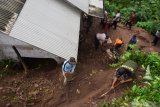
{"x": 68, "y": 68}
{"x": 125, "y": 73}
{"x": 118, "y": 43}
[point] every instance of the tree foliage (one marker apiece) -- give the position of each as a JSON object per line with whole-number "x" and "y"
{"x": 141, "y": 94}
{"x": 148, "y": 11}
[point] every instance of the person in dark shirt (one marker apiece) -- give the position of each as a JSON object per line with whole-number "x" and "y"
{"x": 89, "y": 23}
{"x": 156, "y": 38}
{"x": 118, "y": 43}
{"x": 125, "y": 73}
{"x": 116, "y": 19}
{"x": 132, "y": 19}
{"x": 133, "y": 40}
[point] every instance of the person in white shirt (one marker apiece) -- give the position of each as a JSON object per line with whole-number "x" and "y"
{"x": 116, "y": 19}
{"x": 100, "y": 38}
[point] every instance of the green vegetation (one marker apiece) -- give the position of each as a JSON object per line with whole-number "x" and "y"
{"x": 148, "y": 14}
{"x": 7, "y": 67}
{"x": 103, "y": 104}
{"x": 143, "y": 59}
{"x": 144, "y": 93}
{"x": 140, "y": 96}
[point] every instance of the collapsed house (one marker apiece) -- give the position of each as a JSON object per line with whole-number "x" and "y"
{"x": 43, "y": 28}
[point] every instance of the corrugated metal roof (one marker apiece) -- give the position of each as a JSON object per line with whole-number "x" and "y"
{"x": 11, "y": 5}
{"x": 51, "y": 25}
{"x": 91, "y": 7}
{"x": 81, "y": 4}
{"x": 9, "y": 10}
{"x": 96, "y": 8}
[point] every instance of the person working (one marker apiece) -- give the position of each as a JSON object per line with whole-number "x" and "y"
{"x": 156, "y": 38}
{"x": 118, "y": 43}
{"x": 116, "y": 19}
{"x": 133, "y": 40}
{"x": 100, "y": 38}
{"x": 131, "y": 20}
{"x": 125, "y": 73}
{"x": 68, "y": 68}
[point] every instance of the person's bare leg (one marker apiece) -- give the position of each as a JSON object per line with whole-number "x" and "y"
{"x": 65, "y": 79}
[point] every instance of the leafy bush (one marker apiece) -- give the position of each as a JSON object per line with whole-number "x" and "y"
{"x": 126, "y": 11}
{"x": 150, "y": 26}
{"x": 7, "y": 67}
{"x": 142, "y": 58}
{"x": 153, "y": 60}
{"x": 147, "y": 93}
{"x": 148, "y": 18}
{"x": 111, "y": 8}
{"x": 135, "y": 54}
{"x": 147, "y": 11}
{"x": 144, "y": 95}
{"x": 103, "y": 104}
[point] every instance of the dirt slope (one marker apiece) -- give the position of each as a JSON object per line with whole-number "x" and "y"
{"x": 44, "y": 87}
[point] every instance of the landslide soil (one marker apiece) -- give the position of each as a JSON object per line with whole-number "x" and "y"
{"x": 93, "y": 76}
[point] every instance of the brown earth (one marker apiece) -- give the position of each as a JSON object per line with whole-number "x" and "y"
{"x": 44, "y": 88}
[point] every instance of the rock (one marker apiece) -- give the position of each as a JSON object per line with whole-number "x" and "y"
{"x": 101, "y": 70}
{"x": 34, "y": 92}
{"x": 40, "y": 89}
{"x": 1, "y": 88}
{"x": 113, "y": 99}
{"x": 31, "y": 104}
{"x": 93, "y": 72}
{"x": 8, "y": 105}
{"x": 3, "y": 91}
{"x": 70, "y": 90}
{"x": 36, "y": 85}
{"x": 77, "y": 91}
{"x": 46, "y": 90}
{"x": 140, "y": 76}
{"x": 93, "y": 103}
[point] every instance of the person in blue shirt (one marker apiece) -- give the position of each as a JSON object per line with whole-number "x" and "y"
{"x": 68, "y": 68}
{"x": 133, "y": 40}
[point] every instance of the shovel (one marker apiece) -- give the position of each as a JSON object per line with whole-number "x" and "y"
{"x": 103, "y": 95}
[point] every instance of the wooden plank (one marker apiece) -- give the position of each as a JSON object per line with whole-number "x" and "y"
{"x": 21, "y": 60}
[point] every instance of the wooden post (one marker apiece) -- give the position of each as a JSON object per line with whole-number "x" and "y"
{"x": 20, "y": 59}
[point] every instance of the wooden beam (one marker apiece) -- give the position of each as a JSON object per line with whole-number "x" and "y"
{"x": 21, "y": 60}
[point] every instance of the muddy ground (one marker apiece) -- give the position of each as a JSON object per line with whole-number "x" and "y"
{"x": 93, "y": 76}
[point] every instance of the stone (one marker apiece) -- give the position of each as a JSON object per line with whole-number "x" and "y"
{"x": 36, "y": 85}
{"x": 78, "y": 91}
